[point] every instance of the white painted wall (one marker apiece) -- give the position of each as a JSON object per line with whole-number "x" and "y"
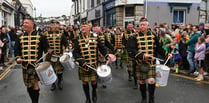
{"x": 28, "y": 5}
{"x": 125, "y": 2}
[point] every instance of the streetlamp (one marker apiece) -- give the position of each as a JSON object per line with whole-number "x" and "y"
{"x": 35, "y": 11}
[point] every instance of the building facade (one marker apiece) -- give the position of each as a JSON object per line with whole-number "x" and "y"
{"x": 172, "y": 11}
{"x": 7, "y": 11}
{"x": 120, "y": 12}
{"x": 20, "y": 13}
{"x": 28, "y": 6}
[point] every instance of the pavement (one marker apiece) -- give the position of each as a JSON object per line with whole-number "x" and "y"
{"x": 178, "y": 90}
{"x": 11, "y": 63}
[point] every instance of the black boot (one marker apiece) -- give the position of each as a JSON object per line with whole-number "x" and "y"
{"x": 86, "y": 91}
{"x": 94, "y": 93}
{"x": 121, "y": 65}
{"x": 116, "y": 64}
{"x": 143, "y": 93}
{"x": 30, "y": 92}
{"x": 151, "y": 88}
{"x": 59, "y": 83}
{"x": 135, "y": 83}
{"x": 36, "y": 96}
{"x": 53, "y": 87}
{"x": 129, "y": 76}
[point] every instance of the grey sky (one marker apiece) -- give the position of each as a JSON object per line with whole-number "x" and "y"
{"x": 50, "y": 8}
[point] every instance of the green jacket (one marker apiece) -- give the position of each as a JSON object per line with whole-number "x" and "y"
{"x": 192, "y": 42}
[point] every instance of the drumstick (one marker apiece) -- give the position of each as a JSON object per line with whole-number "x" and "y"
{"x": 91, "y": 67}
{"x": 42, "y": 57}
{"x": 157, "y": 58}
{"x": 167, "y": 60}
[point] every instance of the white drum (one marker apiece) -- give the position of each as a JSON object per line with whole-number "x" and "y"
{"x": 67, "y": 61}
{"x": 162, "y": 74}
{"x": 54, "y": 58}
{"x": 104, "y": 73}
{"x": 46, "y": 73}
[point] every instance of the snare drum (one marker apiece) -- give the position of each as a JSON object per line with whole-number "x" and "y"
{"x": 54, "y": 58}
{"x": 67, "y": 61}
{"x": 46, "y": 73}
{"x": 104, "y": 73}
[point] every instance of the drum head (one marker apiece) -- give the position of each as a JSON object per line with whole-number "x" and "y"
{"x": 64, "y": 58}
{"x": 43, "y": 66}
{"x": 103, "y": 71}
{"x": 163, "y": 67}
{"x": 113, "y": 57}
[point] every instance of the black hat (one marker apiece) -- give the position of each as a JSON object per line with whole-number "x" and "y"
{"x": 83, "y": 22}
{"x": 143, "y": 19}
{"x": 52, "y": 21}
{"x": 118, "y": 28}
{"x": 137, "y": 25}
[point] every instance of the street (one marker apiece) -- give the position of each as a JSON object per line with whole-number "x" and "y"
{"x": 179, "y": 90}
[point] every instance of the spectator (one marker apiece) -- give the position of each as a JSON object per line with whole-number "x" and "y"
{"x": 201, "y": 28}
{"x": 13, "y": 37}
{"x": 175, "y": 52}
{"x": 200, "y": 49}
{"x": 4, "y": 40}
{"x": 207, "y": 48}
{"x": 191, "y": 49}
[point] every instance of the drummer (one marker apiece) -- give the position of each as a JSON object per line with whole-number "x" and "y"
{"x": 105, "y": 43}
{"x": 141, "y": 47}
{"x": 56, "y": 42}
{"x": 117, "y": 42}
{"x": 86, "y": 52}
{"x": 34, "y": 45}
{"x": 126, "y": 58}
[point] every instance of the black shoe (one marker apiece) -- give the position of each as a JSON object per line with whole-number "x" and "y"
{"x": 88, "y": 101}
{"x": 135, "y": 87}
{"x": 129, "y": 78}
{"x": 104, "y": 86}
{"x": 144, "y": 101}
{"x": 53, "y": 87}
{"x": 60, "y": 86}
{"x": 121, "y": 66}
{"x": 151, "y": 101}
{"x": 94, "y": 98}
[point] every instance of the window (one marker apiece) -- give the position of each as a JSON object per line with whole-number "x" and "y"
{"x": 179, "y": 16}
{"x": 98, "y": 2}
{"x": 92, "y": 3}
{"x": 129, "y": 11}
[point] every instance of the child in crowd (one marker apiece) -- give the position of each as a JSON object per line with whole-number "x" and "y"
{"x": 176, "y": 54}
{"x": 200, "y": 50}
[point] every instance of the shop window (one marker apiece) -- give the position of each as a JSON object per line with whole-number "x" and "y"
{"x": 92, "y": 3}
{"x": 129, "y": 11}
{"x": 98, "y": 2}
{"x": 179, "y": 16}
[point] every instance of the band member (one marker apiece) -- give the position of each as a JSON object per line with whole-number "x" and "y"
{"x": 104, "y": 41}
{"x": 56, "y": 42}
{"x": 108, "y": 34}
{"x": 106, "y": 44}
{"x": 30, "y": 46}
{"x": 70, "y": 33}
{"x": 126, "y": 58}
{"x": 86, "y": 49}
{"x": 141, "y": 47}
{"x": 117, "y": 42}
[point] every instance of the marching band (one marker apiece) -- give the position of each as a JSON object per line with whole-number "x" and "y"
{"x": 91, "y": 50}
